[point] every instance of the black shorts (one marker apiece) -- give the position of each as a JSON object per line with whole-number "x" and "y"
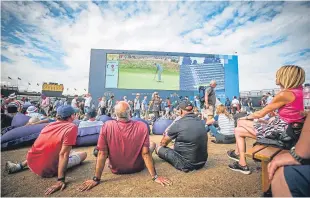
{"x": 176, "y": 160}
{"x": 298, "y": 180}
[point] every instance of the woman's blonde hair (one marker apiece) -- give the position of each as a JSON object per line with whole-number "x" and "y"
{"x": 221, "y": 109}
{"x": 290, "y": 76}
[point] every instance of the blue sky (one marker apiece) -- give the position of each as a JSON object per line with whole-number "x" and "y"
{"x": 51, "y": 41}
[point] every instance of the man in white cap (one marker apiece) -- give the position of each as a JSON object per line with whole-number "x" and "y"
{"x": 210, "y": 99}
{"x": 12, "y": 99}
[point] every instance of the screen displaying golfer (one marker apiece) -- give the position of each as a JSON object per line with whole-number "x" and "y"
{"x": 136, "y": 71}
{"x": 159, "y": 70}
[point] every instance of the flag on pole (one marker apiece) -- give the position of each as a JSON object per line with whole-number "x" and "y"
{"x": 19, "y": 78}
{"x": 9, "y": 77}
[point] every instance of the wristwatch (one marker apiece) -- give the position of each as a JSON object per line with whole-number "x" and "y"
{"x": 96, "y": 179}
{"x": 61, "y": 179}
{"x": 301, "y": 160}
{"x": 155, "y": 177}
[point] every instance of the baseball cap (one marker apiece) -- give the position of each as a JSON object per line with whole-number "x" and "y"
{"x": 12, "y": 107}
{"x": 92, "y": 113}
{"x": 65, "y": 111}
{"x": 186, "y": 105}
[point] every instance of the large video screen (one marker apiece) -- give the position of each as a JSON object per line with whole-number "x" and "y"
{"x": 132, "y": 71}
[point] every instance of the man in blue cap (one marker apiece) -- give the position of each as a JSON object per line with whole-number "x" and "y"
{"x": 51, "y": 154}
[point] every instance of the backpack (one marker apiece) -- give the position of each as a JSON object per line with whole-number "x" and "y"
{"x": 202, "y": 92}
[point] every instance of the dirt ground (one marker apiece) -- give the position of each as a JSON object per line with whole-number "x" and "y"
{"x": 214, "y": 180}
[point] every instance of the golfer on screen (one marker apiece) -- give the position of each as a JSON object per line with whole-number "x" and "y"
{"x": 159, "y": 70}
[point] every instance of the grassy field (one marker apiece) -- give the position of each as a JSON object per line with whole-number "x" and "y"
{"x": 140, "y": 78}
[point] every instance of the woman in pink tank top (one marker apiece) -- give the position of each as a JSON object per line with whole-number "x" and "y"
{"x": 288, "y": 102}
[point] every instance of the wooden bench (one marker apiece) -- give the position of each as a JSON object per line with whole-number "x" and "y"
{"x": 264, "y": 154}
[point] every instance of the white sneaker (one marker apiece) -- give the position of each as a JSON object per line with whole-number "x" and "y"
{"x": 11, "y": 167}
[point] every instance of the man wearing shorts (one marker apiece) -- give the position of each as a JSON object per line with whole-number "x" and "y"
{"x": 190, "y": 148}
{"x": 51, "y": 153}
{"x": 289, "y": 171}
{"x": 210, "y": 99}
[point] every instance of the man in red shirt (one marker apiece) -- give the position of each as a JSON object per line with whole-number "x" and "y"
{"x": 126, "y": 143}
{"x": 51, "y": 153}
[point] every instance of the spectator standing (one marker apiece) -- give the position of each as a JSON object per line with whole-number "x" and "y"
{"x": 88, "y": 102}
{"x": 137, "y": 106}
{"x": 228, "y": 105}
{"x": 210, "y": 99}
{"x": 45, "y": 104}
{"x": 235, "y": 105}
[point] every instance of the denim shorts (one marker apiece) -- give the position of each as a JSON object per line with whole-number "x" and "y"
{"x": 298, "y": 180}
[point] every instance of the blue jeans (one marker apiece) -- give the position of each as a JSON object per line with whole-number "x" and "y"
{"x": 212, "y": 130}
{"x": 136, "y": 113}
{"x": 86, "y": 109}
{"x": 220, "y": 138}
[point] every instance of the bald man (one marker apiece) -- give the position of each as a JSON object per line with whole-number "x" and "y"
{"x": 126, "y": 143}
{"x": 210, "y": 99}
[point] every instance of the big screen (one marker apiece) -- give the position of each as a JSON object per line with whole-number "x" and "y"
{"x": 132, "y": 71}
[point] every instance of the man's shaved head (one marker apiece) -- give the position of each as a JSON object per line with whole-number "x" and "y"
{"x": 122, "y": 110}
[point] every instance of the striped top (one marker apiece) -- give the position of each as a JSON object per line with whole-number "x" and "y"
{"x": 226, "y": 125}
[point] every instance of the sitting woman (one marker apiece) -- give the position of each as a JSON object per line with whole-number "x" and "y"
{"x": 225, "y": 122}
{"x": 288, "y": 102}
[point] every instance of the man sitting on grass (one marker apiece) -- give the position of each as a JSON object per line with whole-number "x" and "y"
{"x": 126, "y": 143}
{"x": 190, "y": 148}
{"x": 51, "y": 153}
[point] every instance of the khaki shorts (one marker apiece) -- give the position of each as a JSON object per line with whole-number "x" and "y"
{"x": 74, "y": 159}
{"x": 210, "y": 110}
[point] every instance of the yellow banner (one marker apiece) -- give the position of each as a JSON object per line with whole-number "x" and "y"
{"x": 51, "y": 87}
{"x": 113, "y": 57}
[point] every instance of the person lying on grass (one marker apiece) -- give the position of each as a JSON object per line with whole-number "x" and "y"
{"x": 126, "y": 143}
{"x": 51, "y": 154}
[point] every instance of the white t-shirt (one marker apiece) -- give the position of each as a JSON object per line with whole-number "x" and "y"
{"x": 269, "y": 99}
{"x": 88, "y": 102}
{"x": 103, "y": 103}
{"x": 235, "y": 102}
{"x": 27, "y": 103}
{"x": 74, "y": 103}
{"x": 137, "y": 104}
{"x": 88, "y": 123}
{"x": 226, "y": 125}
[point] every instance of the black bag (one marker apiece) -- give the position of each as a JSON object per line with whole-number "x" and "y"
{"x": 284, "y": 140}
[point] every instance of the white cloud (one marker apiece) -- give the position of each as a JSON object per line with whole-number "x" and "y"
{"x": 158, "y": 27}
